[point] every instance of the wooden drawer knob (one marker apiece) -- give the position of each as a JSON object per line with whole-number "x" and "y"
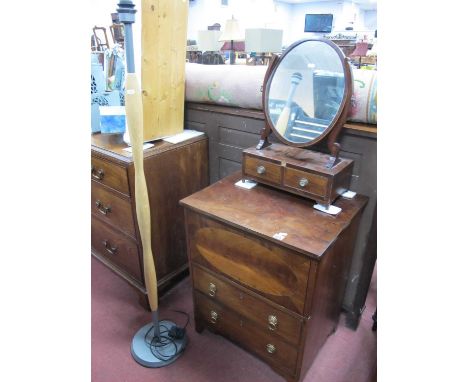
{"x": 303, "y": 182}
{"x": 270, "y": 348}
{"x": 261, "y": 170}
{"x": 213, "y": 317}
{"x": 272, "y": 322}
{"x": 212, "y": 289}
{"x": 97, "y": 174}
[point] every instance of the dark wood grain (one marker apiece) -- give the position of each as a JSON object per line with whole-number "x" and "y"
{"x": 242, "y": 275}
{"x": 242, "y": 300}
{"x": 264, "y": 211}
{"x": 112, "y": 208}
{"x": 172, "y": 171}
{"x": 246, "y": 334}
{"x": 294, "y": 165}
{"x": 109, "y": 174}
{"x": 120, "y": 249}
{"x": 269, "y": 270}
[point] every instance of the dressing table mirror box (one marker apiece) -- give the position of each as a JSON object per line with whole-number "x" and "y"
{"x": 306, "y": 97}
{"x": 269, "y": 269}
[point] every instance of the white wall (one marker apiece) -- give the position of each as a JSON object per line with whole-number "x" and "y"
{"x": 249, "y": 13}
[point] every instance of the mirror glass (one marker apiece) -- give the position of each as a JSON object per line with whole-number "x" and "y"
{"x": 305, "y": 92}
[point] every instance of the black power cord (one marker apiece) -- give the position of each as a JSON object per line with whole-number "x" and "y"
{"x": 159, "y": 346}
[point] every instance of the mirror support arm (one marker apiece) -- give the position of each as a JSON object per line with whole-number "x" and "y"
{"x": 332, "y": 144}
{"x": 266, "y": 131}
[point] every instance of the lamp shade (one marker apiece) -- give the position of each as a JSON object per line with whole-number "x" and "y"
{"x": 208, "y": 40}
{"x": 263, "y": 40}
{"x": 232, "y": 31}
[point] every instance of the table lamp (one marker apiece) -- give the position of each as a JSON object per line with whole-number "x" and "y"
{"x": 208, "y": 40}
{"x": 263, "y": 40}
{"x": 232, "y": 33}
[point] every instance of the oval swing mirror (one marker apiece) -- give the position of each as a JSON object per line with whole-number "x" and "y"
{"x": 308, "y": 92}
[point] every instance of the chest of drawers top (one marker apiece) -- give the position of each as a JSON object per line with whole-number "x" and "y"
{"x": 112, "y": 147}
{"x": 267, "y": 213}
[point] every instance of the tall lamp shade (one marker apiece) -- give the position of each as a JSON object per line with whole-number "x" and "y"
{"x": 208, "y": 40}
{"x": 231, "y": 33}
{"x": 263, "y": 40}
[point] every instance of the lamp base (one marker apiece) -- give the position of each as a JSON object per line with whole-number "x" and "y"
{"x": 163, "y": 352}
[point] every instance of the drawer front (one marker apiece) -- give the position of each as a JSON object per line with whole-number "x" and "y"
{"x": 237, "y": 328}
{"x": 270, "y": 319}
{"x": 115, "y": 247}
{"x": 306, "y": 182}
{"x": 276, "y": 273}
{"x": 110, "y": 174}
{"x": 111, "y": 208}
{"x": 262, "y": 169}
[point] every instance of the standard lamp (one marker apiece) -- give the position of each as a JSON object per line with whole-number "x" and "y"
{"x": 160, "y": 342}
{"x": 263, "y": 40}
{"x": 232, "y": 33}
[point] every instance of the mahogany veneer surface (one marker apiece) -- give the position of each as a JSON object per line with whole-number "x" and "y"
{"x": 278, "y": 299}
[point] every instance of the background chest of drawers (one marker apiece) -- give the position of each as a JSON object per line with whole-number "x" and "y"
{"x": 172, "y": 172}
{"x": 277, "y": 296}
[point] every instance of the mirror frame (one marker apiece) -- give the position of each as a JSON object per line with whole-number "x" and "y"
{"x": 340, "y": 117}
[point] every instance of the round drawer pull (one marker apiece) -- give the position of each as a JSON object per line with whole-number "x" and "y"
{"x": 303, "y": 182}
{"x": 271, "y": 348}
{"x": 272, "y": 322}
{"x": 213, "y": 317}
{"x": 212, "y": 289}
{"x": 261, "y": 170}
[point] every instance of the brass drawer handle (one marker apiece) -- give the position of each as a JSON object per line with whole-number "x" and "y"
{"x": 99, "y": 174}
{"x": 212, "y": 289}
{"x": 303, "y": 182}
{"x": 272, "y": 322}
{"x": 109, "y": 248}
{"x": 213, "y": 317}
{"x": 271, "y": 348}
{"x": 102, "y": 208}
{"x": 261, "y": 170}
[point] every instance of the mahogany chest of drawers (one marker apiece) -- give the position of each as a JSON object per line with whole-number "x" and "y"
{"x": 172, "y": 172}
{"x": 268, "y": 270}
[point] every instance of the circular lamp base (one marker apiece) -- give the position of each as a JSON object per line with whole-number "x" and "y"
{"x": 166, "y": 351}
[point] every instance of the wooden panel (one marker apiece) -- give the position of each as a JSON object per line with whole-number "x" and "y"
{"x": 316, "y": 184}
{"x": 112, "y": 209}
{"x": 172, "y": 175}
{"x": 274, "y": 272}
{"x": 164, "y": 33}
{"x": 109, "y": 174}
{"x": 263, "y": 211}
{"x": 120, "y": 249}
{"x": 271, "y": 174}
{"x": 248, "y": 305}
{"x": 246, "y": 334}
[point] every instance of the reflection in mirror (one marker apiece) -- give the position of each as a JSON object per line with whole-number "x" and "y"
{"x": 306, "y": 91}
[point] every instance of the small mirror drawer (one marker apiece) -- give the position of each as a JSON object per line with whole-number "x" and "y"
{"x": 306, "y": 182}
{"x": 261, "y": 169}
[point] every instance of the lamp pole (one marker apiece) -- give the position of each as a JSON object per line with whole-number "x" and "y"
{"x": 157, "y": 350}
